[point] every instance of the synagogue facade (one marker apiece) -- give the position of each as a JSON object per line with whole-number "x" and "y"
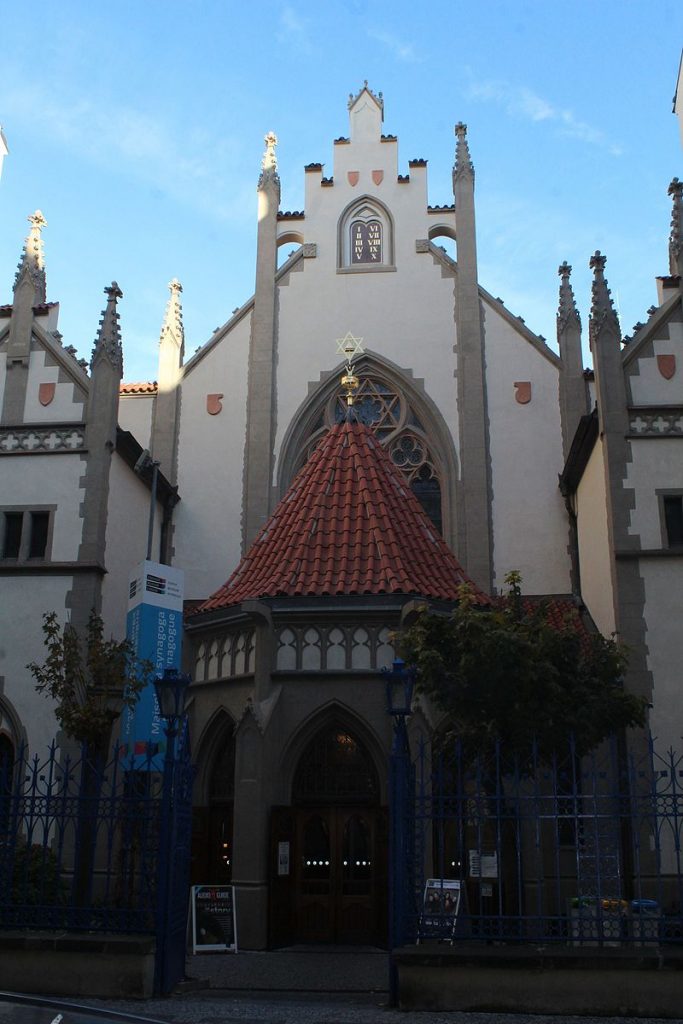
{"x": 306, "y": 538}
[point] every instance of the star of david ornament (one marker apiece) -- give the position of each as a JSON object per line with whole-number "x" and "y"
{"x": 349, "y": 346}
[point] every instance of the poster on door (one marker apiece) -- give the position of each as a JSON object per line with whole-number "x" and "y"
{"x": 214, "y": 925}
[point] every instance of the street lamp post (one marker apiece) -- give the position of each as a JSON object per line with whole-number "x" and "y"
{"x": 400, "y": 681}
{"x": 171, "y": 690}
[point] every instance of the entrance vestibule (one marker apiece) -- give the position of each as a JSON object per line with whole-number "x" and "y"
{"x": 329, "y": 849}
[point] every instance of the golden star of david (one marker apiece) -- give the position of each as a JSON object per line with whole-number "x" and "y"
{"x": 349, "y": 346}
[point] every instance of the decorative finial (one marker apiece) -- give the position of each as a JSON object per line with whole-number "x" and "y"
{"x": 349, "y": 347}
{"x": 108, "y": 341}
{"x": 463, "y": 160}
{"x": 377, "y": 97}
{"x": 567, "y": 307}
{"x": 675, "y": 190}
{"x": 602, "y": 308}
{"x": 172, "y": 326}
{"x": 32, "y": 259}
{"x": 597, "y": 262}
{"x": 269, "y": 162}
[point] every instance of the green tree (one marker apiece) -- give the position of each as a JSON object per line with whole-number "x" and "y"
{"x": 506, "y": 673}
{"x": 87, "y": 677}
{"x": 91, "y": 680}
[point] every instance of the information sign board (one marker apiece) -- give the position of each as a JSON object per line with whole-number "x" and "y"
{"x": 214, "y": 925}
{"x": 154, "y": 625}
{"x": 440, "y": 908}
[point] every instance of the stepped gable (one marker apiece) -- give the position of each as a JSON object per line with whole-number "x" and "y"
{"x": 349, "y": 524}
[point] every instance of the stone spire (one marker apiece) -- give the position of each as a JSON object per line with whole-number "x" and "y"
{"x": 567, "y": 311}
{"x": 172, "y": 329}
{"x": 463, "y": 160}
{"x": 676, "y": 237}
{"x": 627, "y": 589}
{"x": 603, "y": 313}
{"x": 474, "y": 545}
{"x": 106, "y": 368}
{"x": 29, "y": 291}
{"x": 269, "y": 175}
{"x": 164, "y": 440}
{"x": 257, "y": 495}
{"x": 32, "y": 263}
{"x": 573, "y": 393}
{"x": 108, "y": 341}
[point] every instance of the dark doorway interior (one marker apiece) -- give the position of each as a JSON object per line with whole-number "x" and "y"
{"x": 212, "y": 825}
{"x": 335, "y": 838}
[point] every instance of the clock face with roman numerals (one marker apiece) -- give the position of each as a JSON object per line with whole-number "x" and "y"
{"x": 366, "y": 242}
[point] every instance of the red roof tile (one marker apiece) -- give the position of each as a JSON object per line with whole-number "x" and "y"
{"x": 40, "y": 310}
{"x": 145, "y": 387}
{"x": 349, "y": 524}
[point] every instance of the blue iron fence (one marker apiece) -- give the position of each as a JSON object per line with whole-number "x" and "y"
{"x": 578, "y": 850}
{"x": 82, "y": 846}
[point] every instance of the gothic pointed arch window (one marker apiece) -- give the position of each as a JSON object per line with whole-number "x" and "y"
{"x": 365, "y": 237}
{"x": 384, "y": 405}
{"x": 335, "y": 767}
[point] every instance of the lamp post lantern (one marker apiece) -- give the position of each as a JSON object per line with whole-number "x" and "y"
{"x": 171, "y": 690}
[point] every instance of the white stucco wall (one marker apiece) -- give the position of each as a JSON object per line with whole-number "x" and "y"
{"x": 406, "y": 317}
{"x": 48, "y": 480}
{"x": 594, "y": 557}
{"x": 663, "y": 579}
{"x": 657, "y": 464}
{"x": 67, "y": 406}
{"x": 530, "y": 527}
{"x": 126, "y": 541}
{"x": 135, "y": 414}
{"x": 648, "y": 386}
{"x": 405, "y": 314}
{"x": 207, "y": 534}
{"x": 3, "y": 376}
{"x": 25, "y": 599}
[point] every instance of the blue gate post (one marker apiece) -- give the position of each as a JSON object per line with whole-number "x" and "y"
{"x": 399, "y": 685}
{"x": 171, "y": 689}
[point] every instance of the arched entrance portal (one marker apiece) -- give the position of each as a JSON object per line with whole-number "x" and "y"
{"x": 336, "y": 841}
{"x": 212, "y": 838}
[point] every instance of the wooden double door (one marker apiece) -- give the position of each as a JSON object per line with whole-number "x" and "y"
{"x": 338, "y": 875}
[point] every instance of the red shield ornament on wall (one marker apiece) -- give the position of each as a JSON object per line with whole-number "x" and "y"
{"x": 46, "y": 392}
{"x": 666, "y": 366}
{"x": 353, "y": 177}
{"x": 377, "y": 177}
{"x": 214, "y": 404}
{"x": 522, "y": 391}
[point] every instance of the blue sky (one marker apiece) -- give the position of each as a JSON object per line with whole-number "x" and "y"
{"x": 137, "y": 128}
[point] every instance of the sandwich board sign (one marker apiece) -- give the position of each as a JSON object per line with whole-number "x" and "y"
{"x": 214, "y": 926}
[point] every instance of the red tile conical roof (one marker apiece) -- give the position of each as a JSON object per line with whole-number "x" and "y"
{"x": 349, "y": 524}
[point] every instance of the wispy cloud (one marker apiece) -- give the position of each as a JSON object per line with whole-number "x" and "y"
{"x": 294, "y": 30}
{"x": 178, "y": 164}
{"x": 398, "y": 48}
{"x": 520, "y": 101}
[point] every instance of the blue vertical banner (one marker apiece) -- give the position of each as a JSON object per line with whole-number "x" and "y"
{"x": 154, "y": 625}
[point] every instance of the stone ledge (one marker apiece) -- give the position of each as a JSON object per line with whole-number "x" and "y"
{"x": 560, "y": 980}
{"x": 61, "y": 964}
{"x": 546, "y": 958}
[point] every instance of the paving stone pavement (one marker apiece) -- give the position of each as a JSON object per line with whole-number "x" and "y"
{"x": 304, "y": 985}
